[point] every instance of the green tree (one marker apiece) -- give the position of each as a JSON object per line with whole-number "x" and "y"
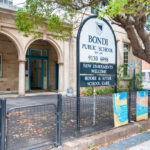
{"x": 58, "y": 16}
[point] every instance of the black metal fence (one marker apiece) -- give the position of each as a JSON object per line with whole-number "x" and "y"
{"x": 38, "y": 126}
{"x": 69, "y": 117}
{"x": 2, "y": 123}
{"x": 31, "y": 127}
{"x": 103, "y": 111}
{"x": 132, "y": 106}
{"x": 104, "y": 115}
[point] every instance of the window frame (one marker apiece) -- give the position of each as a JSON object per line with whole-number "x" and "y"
{"x": 143, "y": 76}
{"x": 126, "y": 59}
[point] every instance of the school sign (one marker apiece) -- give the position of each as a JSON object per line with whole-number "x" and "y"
{"x": 96, "y": 54}
{"x": 96, "y": 57}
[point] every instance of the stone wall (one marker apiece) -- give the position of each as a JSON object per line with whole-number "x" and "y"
{"x": 9, "y": 79}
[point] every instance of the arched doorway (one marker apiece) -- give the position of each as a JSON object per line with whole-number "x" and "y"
{"x": 41, "y": 71}
{"x": 8, "y": 65}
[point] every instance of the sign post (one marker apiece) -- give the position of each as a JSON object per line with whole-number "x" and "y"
{"x": 96, "y": 58}
{"x": 94, "y": 106}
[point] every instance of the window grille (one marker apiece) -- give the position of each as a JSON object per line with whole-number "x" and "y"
{"x": 126, "y": 59}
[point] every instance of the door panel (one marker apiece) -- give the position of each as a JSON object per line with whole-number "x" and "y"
{"x": 36, "y": 74}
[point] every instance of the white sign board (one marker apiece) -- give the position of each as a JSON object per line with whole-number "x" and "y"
{"x": 97, "y": 42}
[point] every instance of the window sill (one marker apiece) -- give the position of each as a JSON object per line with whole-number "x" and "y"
{"x": 3, "y": 79}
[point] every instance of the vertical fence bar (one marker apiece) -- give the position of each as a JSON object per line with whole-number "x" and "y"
{"x": 59, "y": 118}
{"x": 3, "y": 123}
{"x": 129, "y": 106}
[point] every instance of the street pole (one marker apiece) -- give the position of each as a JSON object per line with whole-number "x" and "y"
{"x": 94, "y": 106}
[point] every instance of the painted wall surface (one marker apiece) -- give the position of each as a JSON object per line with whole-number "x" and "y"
{"x": 120, "y": 109}
{"x": 146, "y": 75}
{"x": 142, "y": 105}
{"x": 145, "y": 65}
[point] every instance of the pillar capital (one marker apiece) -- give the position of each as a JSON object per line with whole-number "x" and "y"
{"x": 61, "y": 77}
{"x": 60, "y": 63}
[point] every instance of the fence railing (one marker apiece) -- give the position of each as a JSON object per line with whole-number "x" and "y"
{"x": 131, "y": 106}
{"x": 36, "y": 126}
{"x": 104, "y": 114}
{"x": 103, "y": 118}
{"x": 2, "y": 123}
{"x": 31, "y": 127}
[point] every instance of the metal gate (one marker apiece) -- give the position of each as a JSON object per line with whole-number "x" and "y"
{"x": 2, "y": 123}
{"x": 33, "y": 127}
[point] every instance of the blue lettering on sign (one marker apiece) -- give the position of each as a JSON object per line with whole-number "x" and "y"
{"x": 97, "y": 40}
{"x": 89, "y": 47}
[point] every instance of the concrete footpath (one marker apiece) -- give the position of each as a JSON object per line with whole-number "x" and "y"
{"x": 100, "y": 139}
{"x": 136, "y": 142}
{"x": 143, "y": 146}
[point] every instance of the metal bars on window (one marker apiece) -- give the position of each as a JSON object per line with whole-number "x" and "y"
{"x": 126, "y": 59}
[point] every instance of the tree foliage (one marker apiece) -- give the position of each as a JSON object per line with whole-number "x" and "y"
{"x": 132, "y": 16}
{"x": 58, "y": 16}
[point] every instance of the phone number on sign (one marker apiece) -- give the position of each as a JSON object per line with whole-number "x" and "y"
{"x": 96, "y": 58}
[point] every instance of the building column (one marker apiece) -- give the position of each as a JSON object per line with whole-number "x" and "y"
{"x": 66, "y": 66}
{"x": 61, "y": 77}
{"x": 21, "y": 90}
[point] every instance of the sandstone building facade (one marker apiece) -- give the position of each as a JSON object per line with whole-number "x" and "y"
{"x": 45, "y": 64}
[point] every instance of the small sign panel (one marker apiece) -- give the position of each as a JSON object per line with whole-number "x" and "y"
{"x": 94, "y": 68}
{"x": 69, "y": 92}
{"x": 142, "y": 105}
{"x": 93, "y": 81}
{"x": 120, "y": 109}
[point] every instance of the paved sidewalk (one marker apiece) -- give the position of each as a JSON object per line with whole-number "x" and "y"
{"x": 143, "y": 146}
{"x": 137, "y": 142}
